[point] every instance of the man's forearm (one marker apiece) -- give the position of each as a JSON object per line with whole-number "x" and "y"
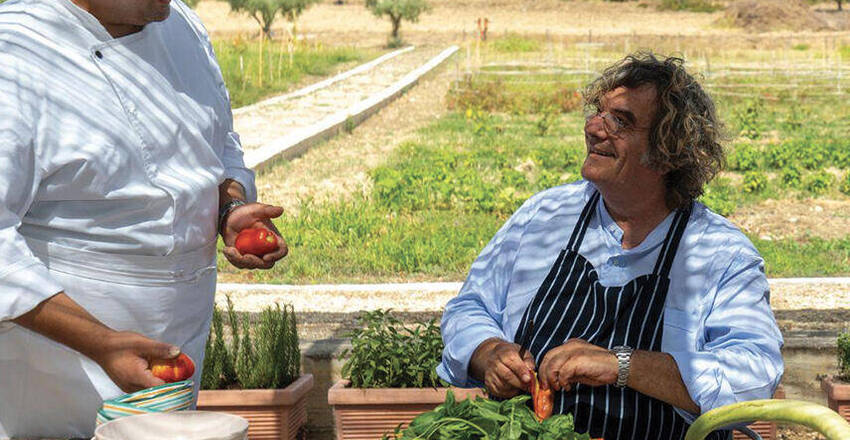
{"x": 230, "y": 190}
{"x": 61, "y": 319}
{"x": 657, "y": 375}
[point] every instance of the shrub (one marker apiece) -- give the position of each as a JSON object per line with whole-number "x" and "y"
{"x": 843, "y": 346}
{"x": 845, "y": 185}
{"x": 689, "y": 5}
{"x": 779, "y": 156}
{"x": 257, "y": 355}
{"x": 745, "y": 157}
{"x": 791, "y": 176}
{"x": 749, "y": 118}
{"x": 819, "y": 182}
{"x": 719, "y": 197}
{"x": 386, "y": 354}
{"x": 814, "y": 156}
{"x": 754, "y": 182}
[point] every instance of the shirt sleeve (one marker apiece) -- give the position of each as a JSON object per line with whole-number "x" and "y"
{"x": 739, "y": 358}
{"x": 475, "y": 314}
{"x": 232, "y": 154}
{"x": 24, "y": 279}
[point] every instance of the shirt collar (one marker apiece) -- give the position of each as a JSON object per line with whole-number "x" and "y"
{"x": 86, "y": 20}
{"x": 614, "y": 232}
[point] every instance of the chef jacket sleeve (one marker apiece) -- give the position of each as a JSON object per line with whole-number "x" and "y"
{"x": 232, "y": 155}
{"x": 24, "y": 279}
{"x": 475, "y": 314}
{"x": 738, "y": 356}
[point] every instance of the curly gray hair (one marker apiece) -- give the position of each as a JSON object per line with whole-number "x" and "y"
{"x": 686, "y": 134}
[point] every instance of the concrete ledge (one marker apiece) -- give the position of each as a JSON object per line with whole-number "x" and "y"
{"x": 296, "y": 143}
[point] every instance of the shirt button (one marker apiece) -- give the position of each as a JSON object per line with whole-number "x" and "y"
{"x": 98, "y": 54}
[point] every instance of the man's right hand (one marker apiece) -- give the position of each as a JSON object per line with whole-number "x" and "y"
{"x": 497, "y": 363}
{"x": 123, "y": 355}
{"x": 125, "y": 358}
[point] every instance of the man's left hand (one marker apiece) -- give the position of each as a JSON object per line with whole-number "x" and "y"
{"x": 252, "y": 215}
{"x": 577, "y": 361}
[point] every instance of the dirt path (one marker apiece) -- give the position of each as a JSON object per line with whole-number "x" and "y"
{"x": 265, "y": 122}
{"x": 337, "y": 170}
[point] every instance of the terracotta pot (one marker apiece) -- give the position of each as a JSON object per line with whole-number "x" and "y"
{"x": 837, "y": 395}
{"x": 278, "y": 414}
{"x": 366, "y": 414}
{"x": 767, "y": 430}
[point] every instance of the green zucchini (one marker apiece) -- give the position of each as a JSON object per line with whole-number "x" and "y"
{"x": 816, "y": 417}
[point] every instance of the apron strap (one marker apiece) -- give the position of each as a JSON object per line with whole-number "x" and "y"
{"x": 671, "y": 242}
{"x": 583, "y": 221}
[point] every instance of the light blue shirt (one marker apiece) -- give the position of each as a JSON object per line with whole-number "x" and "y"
{"x": 718, "y": 325}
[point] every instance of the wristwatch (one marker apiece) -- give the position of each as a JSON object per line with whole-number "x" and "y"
{"x": 226, "y": 209}
{"x": 624, "y": 362}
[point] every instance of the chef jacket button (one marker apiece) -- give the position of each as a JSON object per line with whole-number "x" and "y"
{"x": 98, "y": 54}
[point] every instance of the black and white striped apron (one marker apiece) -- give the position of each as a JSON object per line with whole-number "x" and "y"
{"x": 571, "y": 303}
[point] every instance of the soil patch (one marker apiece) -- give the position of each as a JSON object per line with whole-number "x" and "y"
{"x": 797, "y": 219}
{"x": 451, "y": 20}
{"x": 773, "y": 15}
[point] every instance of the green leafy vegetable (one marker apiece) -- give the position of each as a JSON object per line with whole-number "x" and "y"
{"x": 486, "y": 419}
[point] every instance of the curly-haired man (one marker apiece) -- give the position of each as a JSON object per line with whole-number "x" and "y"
{"x": 639, "y": 307}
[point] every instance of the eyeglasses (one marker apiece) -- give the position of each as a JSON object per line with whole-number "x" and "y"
{"x": 613, "y": 125}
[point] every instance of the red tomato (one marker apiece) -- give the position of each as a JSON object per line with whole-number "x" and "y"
{"x": 543, "y": 400}
{"x": 173, "y": 370}
{"x": 256, "y": 241}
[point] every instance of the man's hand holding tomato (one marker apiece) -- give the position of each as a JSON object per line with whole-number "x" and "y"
{"x": 252, "y": 215}
{"x": 578, "y": 361}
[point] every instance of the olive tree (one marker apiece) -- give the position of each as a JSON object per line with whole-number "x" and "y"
{"x": 398, "y": 10}
{"x": 265, "y": 11}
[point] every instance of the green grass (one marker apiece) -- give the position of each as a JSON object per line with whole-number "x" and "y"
{"x": 361, "y": 242}
{"x": 247, "y": 82}
{"x": 812, "y": 258}
{"x": 513, "y": 43}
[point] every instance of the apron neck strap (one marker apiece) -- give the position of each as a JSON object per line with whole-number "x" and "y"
{"x": 583, "y": 221}
{"x": 671, "y": 242}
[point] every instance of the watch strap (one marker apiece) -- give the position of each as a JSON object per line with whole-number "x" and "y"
{"x": 226, "y": 209}
{"x": 624, "y": 360}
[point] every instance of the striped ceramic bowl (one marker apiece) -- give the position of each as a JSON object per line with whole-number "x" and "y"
{"x": 164, "y": 398}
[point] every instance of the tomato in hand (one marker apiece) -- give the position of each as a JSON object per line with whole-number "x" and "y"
{"x": 173, "y": 370}
{"x": 543, "y": 400}
{"x": 256, "y": 241}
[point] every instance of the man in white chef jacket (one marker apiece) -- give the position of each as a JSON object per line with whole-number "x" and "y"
{"x": 118, "y": 168}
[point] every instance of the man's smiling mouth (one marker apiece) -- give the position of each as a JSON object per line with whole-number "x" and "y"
{"x": 601, "y": 152}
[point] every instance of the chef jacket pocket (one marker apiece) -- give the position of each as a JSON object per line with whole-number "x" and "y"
{"x": 680, "y": 331}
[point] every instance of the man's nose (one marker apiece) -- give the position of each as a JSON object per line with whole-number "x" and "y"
{"x": 594, "y": 129}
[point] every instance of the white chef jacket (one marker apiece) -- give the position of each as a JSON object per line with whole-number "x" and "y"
{"x": 109, "y": 147}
